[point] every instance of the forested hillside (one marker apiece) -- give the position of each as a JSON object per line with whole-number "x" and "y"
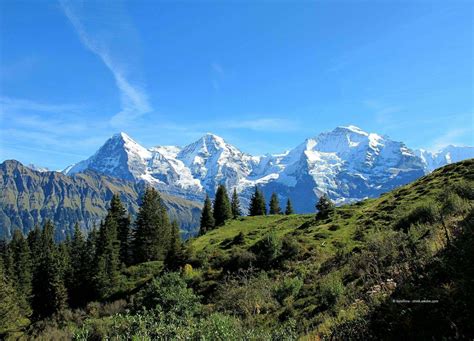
{"x": 395, "y": 267}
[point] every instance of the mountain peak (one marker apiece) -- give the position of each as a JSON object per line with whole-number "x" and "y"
{"x": 351, "y": 128}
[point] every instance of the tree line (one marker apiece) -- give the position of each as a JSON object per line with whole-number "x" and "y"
{"x": 215, "y": 214}
{"x": 39, "y": 277}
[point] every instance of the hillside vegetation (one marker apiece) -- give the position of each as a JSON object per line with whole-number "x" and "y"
{"x": 396, "y": 267}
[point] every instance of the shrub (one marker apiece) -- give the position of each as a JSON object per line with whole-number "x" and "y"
{"x": 268, "y": 250}
{"x": 168, "y": 293}
{"x": 291, "y": 249}
{"x": 240, "y": 259}
{"x": 289, "y": 287}
{"x": 239, "y": 239}
{"x": 330, "y": 289}
{"x": 422, "y": 214}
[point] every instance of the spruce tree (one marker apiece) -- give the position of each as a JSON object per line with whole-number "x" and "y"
{"x": 324, "y": 206}
{"x": 49, "y": 293}
{"x": 107, "y": 257}
{"x": 222, "y": 210}
{"x": 122, "y": 219}
{"x": 22, "y": 270}
{"x": 289, "y": 207}
{"x": 207, "y": 217}
{"x": 77, "y": 279}
{"x": 274, "y": 204}
{"x": 235, "y": 205}
{"x": 257, "y": 203}
{"x": 152, "y": 229}
{"x": 11, "y": 318}
{"x": 175, "y": 248}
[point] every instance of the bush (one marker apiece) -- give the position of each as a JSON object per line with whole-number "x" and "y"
{"x": 289, "y": 287}
{"x": 330, "y": 289}
{"x": 422, "y": 214}
{"x": 291, "y": 249}
{"x": 240, "y": 259}
{"x": 268, "y": 250}
{"x": 168, "y": 293}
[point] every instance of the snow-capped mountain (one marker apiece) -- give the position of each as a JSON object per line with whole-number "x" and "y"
{"x": 347, "y": 163}
{"x": 37, "y": 168}
{"x": 445, "y": 156}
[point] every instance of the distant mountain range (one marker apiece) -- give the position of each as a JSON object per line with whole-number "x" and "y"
{"x": 28, "y": 197}
{"x": 347, "y": 163}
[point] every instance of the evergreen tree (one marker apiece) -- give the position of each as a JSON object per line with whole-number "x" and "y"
{"x": 222, "y": 210}
{"x": 107, "y": 257}
{"x": 35, "y": 244}
{"x": 21, "y": 270}
{"x": 49, "y": 293}
{"x": 274, "y": 204}
{"x": 122, "y": 218}
{"x": 152, "y": 229}
{"x": 77, "y": 277}
{"x": 11, "y": 319}
{"x": 175, "y": 249}
{"x": 235, "y": 205}
{"x": 289, "y": 207}
{"x": 324, "y": 206}
{"x": 257, "y": 203}
{"x": 207, "y": 217}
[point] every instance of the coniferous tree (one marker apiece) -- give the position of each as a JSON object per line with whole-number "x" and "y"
{"x": 107, "y": 257}
{"x": 49, "y": 293}
{"x": 274, "y": 204}
{"x": 152, "y": 228}
{"x": 77, "y": 279}
{"x": 289, "y": 207}
{"x": 324, "y": 206}
{"x": 235, "y": 205}
{"x": 21, "y": 270}
{"x": 222, "y": 210}
{"x": 207, "y": 217}
{"x": 11, "y": 319}
{"x": 175, "y": 249}
{"x": 35, "y": 244}
{"x": 257, "y": 203}
{"x": 122, "y": 218}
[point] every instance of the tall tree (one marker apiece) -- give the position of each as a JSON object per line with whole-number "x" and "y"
{"x": 78, "y": 271}
{"x": 152, "y": 228}
{"x": 107, "y": 257}
{"x": 222, "y": 209}
{"x": 176, "y": 247}
{"x": 207, "y": 217}
{"x": 235, "y": 205}
{"x": 49, "y": 293}
{"x": 11, "y": 319}
{"x": 122, "y": 219}
{"x": 257, "y": 203}
{"x": 21, "y": 270}
{"x": 289, "y": 207}
{"x": 324, "y": 206}
{"x": 274, "y": 204}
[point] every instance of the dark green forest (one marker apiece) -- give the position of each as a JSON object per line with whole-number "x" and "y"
{"x": 397, "y": 267}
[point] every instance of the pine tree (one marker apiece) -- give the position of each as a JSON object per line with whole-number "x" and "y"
{"x": 289, "y": 207}
{"x": 11, "y": 319}
{"x": 152, "y": 229}
{"x": 22, "y": 270}
{"x": 49, "y": 293}
{"x": 175, "y": 249}
{"x": 324, "y": 206}
{"x": 77, "y": 279}
{"x": 235, "y": 205}
{"x": 122, "y": 218}
{"x": 222, "y": 210}
{"x": 107, "y": 257}
{"x": 274, "y": 204}
{"x": 257, "y": 203}
{"x": 207, "y": 217}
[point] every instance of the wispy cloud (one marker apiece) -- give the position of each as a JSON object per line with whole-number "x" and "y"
{"x": 10, "y": 105}
{"x": 217, "y": 71}
{"x": 263, "y": 124}
{"x": 450, "y": 137}
{"x": 134, "y": 99}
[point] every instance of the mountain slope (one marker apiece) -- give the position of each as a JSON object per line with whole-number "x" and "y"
{"x": 445, "y": 156}
{"x": 29, "y": 197}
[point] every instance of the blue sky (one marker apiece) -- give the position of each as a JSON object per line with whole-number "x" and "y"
{"x": 264, "y": 75}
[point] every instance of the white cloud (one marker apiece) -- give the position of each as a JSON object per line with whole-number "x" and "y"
{"x": 134, "y": 100}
